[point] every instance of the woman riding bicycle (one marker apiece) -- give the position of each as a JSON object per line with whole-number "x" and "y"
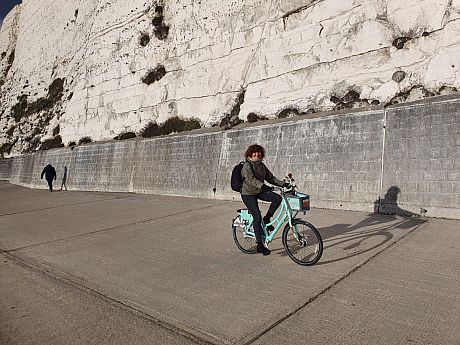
{"x": 254, "y": 174}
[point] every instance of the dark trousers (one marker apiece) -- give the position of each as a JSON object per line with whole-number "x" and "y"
{"x": 253, "y": 207}
{"x": 50, "y": 184}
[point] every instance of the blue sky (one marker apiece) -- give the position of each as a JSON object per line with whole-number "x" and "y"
{"x": 6, "y": 6}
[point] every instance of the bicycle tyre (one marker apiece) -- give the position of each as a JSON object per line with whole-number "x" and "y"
{"x": 308, "y": 250}
{"x": 244, "y": 243}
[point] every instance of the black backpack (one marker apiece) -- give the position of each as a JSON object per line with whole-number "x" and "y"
{"x": 237, "y": 180}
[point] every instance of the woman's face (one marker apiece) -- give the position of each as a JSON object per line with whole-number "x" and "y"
{"x": 256, "y": 156}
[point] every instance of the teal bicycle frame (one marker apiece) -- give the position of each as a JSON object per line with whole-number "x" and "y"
{"x": 302, "y": 241}
{"x": 285, "y": 213}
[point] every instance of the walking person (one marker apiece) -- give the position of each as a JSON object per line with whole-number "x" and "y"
{"x": 64, "y": 178}
{"x": 254, "y": 173}
{"x": 50, "y": 175}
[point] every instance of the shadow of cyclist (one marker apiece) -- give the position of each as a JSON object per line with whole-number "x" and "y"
{"x": 389, "y": 204}
{"x": 370, "y": 233}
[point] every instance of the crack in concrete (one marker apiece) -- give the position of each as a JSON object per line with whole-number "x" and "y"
{"x": 61, "y": 206}
{"x": 110, "y": 228}
{"x": 84, "y": 286}
{"x": 326, "y": 289}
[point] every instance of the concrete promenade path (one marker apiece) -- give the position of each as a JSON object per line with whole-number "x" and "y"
{"x": 117, "y": 268}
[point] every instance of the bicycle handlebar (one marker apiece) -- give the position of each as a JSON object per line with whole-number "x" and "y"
{"x": 289, "y": 179}
{"x": 281, "y": 189}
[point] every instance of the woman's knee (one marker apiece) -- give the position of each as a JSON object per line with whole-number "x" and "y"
{"x": 276, "y": 199}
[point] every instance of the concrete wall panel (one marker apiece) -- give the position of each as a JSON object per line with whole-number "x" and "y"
{"x": 5, "y": 168}
{"x": 422, "y": 159}
{"x": 336, "y": 159}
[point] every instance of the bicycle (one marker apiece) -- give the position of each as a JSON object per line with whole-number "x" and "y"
{"x": 302, "y": 241}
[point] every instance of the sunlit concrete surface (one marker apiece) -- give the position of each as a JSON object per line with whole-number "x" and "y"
{"x": 85, "y": 267}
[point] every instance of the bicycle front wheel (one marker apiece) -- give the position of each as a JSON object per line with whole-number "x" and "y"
{"x": 244, "y": 241}
{"x": 302, "y": 242}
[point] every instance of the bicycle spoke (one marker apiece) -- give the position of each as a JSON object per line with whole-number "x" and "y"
{"x": 244, "y": 240}
{"x": 303, "y": 243}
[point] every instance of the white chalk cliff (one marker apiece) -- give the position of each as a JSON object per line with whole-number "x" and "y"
{"x": 98, "y": 68}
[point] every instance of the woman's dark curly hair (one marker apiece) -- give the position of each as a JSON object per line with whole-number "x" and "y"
{"x": 254, "y": 148}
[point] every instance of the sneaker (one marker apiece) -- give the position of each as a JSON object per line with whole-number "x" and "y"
{"x": 261, "y": 249}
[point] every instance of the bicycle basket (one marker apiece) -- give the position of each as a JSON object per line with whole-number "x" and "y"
{"x": 298, "y": 201}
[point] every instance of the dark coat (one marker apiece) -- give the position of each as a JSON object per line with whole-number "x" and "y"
{"x": 49, "y": 172}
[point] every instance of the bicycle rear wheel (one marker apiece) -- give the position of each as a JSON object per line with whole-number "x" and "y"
{"x": 245, "y": 242}
{"x": 302, "y": 242}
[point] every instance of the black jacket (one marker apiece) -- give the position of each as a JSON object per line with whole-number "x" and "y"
{"x": 49, "y": 172}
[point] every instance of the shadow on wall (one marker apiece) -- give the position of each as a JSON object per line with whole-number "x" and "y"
{"x": 372, "y": 232}
{"x": 389, "y": 204}
{"x": 344, "y": 241}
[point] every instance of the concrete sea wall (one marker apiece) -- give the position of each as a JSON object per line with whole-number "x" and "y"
{"x": 422, "y": 158}
{"x": 5, "y": 168}
{"x": 402, "y": 159}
